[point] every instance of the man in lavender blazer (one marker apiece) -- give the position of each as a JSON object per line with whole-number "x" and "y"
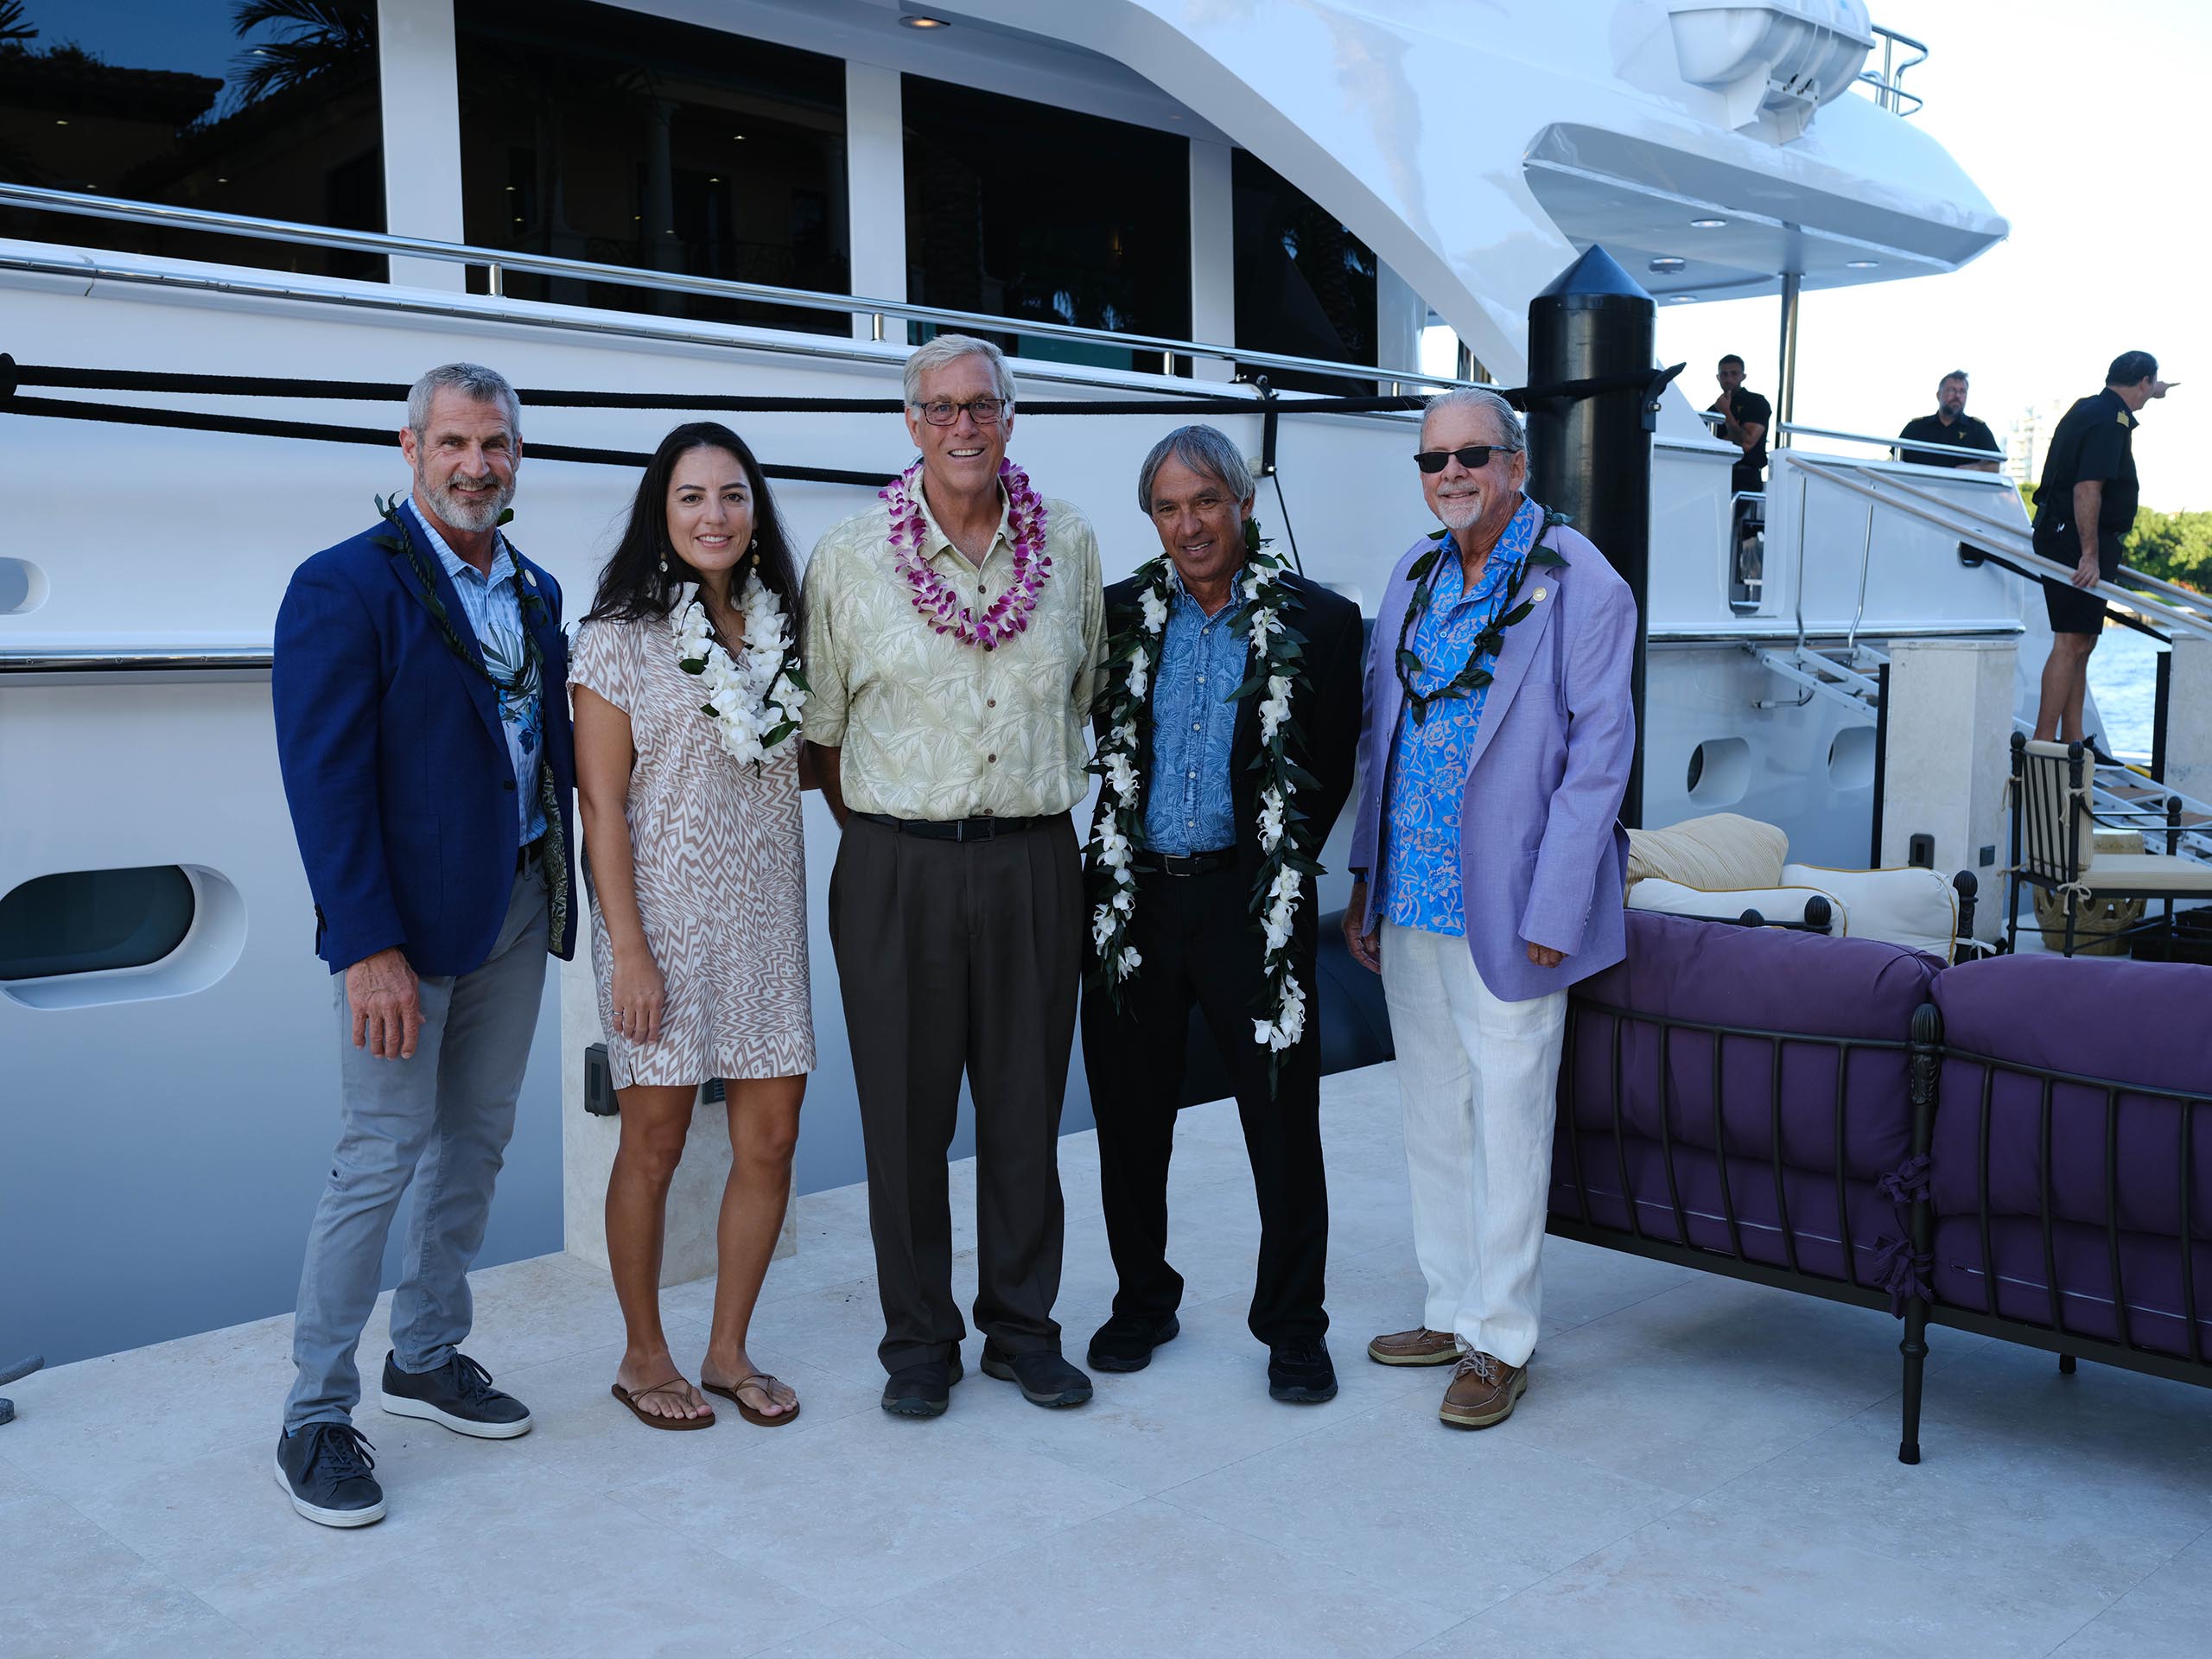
{"x": 1490, "y": 869}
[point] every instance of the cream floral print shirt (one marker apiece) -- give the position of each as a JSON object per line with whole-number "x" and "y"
{"x": 932, "y": 729}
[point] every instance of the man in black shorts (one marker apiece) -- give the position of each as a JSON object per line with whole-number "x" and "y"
{"x": 2084, "y": 507}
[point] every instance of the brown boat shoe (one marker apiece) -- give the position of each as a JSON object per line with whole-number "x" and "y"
{"x": 1482, "y": 1392}
{"x": 1418, "y": 1347}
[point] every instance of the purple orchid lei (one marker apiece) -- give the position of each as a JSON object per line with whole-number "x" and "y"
{"x": 936, "y": 598}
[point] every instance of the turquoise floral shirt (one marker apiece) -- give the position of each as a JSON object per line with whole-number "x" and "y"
{"x": 1429, "y": 762}
{"x": 494, "y": 607}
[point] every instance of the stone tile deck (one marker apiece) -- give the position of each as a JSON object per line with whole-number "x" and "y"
{"x": 1700, "y": 1468}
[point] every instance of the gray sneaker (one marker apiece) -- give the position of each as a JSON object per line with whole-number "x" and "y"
{"x": 324, "y": 1470}
{"x": 458, "y": 1394}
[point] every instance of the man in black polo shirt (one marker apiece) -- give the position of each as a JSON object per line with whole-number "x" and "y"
{"x": 2084, "y": 508}
{"x": 1744, "y": 417}
{"x": 1950, "y": 437}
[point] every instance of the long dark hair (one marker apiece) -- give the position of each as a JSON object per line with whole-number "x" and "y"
{"x": 633, "y": 586}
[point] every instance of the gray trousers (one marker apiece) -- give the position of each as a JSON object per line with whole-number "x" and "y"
{"x": 441, "y": 1119}
{"x": 961, "y": 957}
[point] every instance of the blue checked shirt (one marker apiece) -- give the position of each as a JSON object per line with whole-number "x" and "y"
{"x": 494, "y": 607}
{"x": 1187, "y": 806}
{"x": 1429, "y": 764}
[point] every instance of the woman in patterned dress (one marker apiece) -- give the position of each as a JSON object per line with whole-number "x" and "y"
{"x": 697, "y": 870}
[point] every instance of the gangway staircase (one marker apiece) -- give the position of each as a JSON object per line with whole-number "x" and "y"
{"x": 2124, "y": 794}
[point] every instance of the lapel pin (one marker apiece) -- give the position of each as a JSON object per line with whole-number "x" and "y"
{"x": 1541, "y": 592}
{"x": 529, "y": 580}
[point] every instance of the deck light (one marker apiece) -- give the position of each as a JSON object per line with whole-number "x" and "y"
{"x": 920, "y": 21}
{"x": 1707, "y": 224}
{"x": 1668, "y": 262}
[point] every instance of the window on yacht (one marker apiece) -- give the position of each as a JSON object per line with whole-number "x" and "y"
{"x": 1025, "y": 210}
{"x": 194, "y": 104}
{"x": 1305, "y": 284}
{"x": 94, "y": 921}
{"x": 590, "y": 132}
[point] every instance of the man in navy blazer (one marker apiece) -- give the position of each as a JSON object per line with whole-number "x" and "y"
{"x": 421, "y": 691}
{"x": 1498, "y": 738}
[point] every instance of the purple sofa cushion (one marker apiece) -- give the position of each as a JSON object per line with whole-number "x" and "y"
{"x": 2126, "y": 1023}
{"x": 2151, "y": 1281}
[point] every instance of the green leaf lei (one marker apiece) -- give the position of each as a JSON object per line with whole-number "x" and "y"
{"x": 530, "y": 671}
{"x": 1471, "y": 675}
{"x": 1276, "y": 651}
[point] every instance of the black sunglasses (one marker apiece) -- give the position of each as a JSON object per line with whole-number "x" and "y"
{"x": 1474, "y": 457}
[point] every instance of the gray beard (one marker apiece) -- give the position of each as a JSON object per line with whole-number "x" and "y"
{"x": 469, "y": 512}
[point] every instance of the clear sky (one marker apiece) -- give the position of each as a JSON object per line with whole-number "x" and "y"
{"x": 2086, "y": 127}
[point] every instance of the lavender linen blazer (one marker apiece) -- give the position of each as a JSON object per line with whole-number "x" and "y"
{"x": 1541, "y": 853}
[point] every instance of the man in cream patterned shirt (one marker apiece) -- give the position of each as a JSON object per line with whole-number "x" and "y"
{"x": 954, "y": 637}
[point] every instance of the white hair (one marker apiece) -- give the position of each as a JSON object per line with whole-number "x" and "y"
{"x": 950, "y": 348}
{"x": 1510, "y": 437}
{"x": 473, "y": 381}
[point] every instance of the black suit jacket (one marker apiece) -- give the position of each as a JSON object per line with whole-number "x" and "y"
{"x": 1324, "y": 712}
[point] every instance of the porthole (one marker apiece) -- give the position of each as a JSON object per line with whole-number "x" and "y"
{"x": 76, "y": 938}
{"x": 1719, "y": 772}
{"x": 1851, "y": 758}
{"x": 22, "y": 586}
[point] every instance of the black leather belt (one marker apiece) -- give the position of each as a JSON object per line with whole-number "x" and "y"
{"x": 987, "y": 828}
{"x": 527, "y": 853}
{"x": 1185, "y": 863}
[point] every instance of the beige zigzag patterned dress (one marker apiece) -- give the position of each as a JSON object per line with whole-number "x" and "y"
{"x": 720, "y": 862}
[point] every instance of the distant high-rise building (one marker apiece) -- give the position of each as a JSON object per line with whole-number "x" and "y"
{"x": 2029, "y": 437}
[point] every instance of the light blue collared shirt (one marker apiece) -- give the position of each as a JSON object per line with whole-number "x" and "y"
{"x": 494, "y": 607}
{"x": 1428, "y": 772}
{"x": 1187, "y": 807}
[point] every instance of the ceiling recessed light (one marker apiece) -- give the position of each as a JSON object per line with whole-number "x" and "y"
{"x": 1668, "y": 262}
{"x": 737, "y": 137}
{"x": 1681, "y": 299}
{"x": 60, "y": 123}
{"x": 222, "y": 180}
{"x": 717, "y": 179}
{"x": 1707, "y": 224}
{"x": 919, "y": 21}
{"x": 1860, "y": 264}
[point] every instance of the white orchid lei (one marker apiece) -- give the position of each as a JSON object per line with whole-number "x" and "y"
{"x": 754, "y": 698}
{"x": 1275, "y": 648}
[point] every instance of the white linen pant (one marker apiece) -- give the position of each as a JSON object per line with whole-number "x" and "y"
{"x": 1477, "y": 1077}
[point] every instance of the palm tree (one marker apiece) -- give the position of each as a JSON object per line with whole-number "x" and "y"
{"x": 16, "y": 31}
{"x": 323, "y": 34}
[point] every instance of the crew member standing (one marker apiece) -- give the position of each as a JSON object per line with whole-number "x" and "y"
{"x": 2084, "y": 508}
{"x": 1744, "y": 417}
{"x": 1950, "y": 437}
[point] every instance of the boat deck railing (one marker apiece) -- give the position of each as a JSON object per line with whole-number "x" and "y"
{"x": 1887, "y": 82}
{"x": 1178, "y": 358}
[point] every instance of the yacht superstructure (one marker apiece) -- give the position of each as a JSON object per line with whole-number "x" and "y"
{"x": 1147, "y": 199}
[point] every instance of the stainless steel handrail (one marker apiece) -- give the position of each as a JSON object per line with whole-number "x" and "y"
{"x": 1888, "y": 81}
{"x": 107, "y": 659}
{"x": 1941, "y": 519}
{"x": 851, "y": 305}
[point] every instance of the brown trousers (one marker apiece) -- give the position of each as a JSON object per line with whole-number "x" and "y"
{"x": 961, "y": 957}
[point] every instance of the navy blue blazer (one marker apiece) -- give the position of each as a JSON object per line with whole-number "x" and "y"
{"x": 395, "y": 763}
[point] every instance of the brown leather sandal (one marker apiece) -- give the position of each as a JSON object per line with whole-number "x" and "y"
{"x": 768, "y": 1386}
{"x": 654, "y": 1420}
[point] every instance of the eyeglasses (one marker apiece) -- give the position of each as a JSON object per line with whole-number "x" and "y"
{"x": 987, "y": 412}
{"x": 1474, "y": 457}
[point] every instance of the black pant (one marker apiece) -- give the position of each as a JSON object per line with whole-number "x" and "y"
{"x": 2075, "y": 610}
{"x": 960, "y": 957}
{"x": 1198, "y": 943}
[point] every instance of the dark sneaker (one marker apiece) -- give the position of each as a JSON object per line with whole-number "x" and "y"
{"x": 922, "y": 1390}
{"x": 1300, "y": 1373}
{"x": 1045, "y": 1379}
{"x": 1125, "y": 1342}
{"x": 324, "y": 1470}
{"x": 460, "y": 1395}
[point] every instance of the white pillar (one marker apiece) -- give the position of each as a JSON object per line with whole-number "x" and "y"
{"x": 1213, "y": 255}
{"x": 2188, "y": 716}
{"x": 875, "y": 192}
{"x": 588, "y": 1144}
{"x": 1399, "y": 314}
{"x": 1950, "y": 731}
{"x": 420, "y": 91}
